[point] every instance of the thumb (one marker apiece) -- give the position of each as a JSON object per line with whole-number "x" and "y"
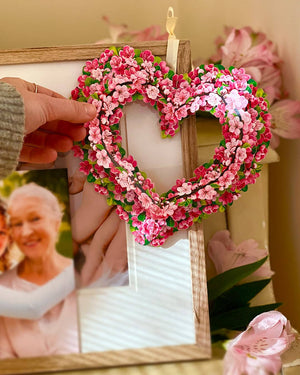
{"x": 67, "y": 110}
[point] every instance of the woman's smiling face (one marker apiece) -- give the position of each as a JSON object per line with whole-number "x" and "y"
{"x": 34, "y": 226}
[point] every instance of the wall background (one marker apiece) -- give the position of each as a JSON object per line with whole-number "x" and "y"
{"x": 39, "y": 23}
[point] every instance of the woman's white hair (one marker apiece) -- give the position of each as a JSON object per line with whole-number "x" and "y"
{"x": 34, "y": 190}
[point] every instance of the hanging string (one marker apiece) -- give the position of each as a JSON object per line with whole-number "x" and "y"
{"x": 173, "y": 42}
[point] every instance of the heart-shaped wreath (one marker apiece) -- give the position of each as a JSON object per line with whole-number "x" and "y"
{"x": 123, "y": 75}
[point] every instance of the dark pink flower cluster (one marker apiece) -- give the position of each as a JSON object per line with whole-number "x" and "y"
{"x": 120, "y": 76}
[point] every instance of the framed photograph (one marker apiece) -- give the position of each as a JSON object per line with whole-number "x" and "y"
{"x": 135, "y": 304}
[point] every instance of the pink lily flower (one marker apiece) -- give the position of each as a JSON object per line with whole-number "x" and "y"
{"x": 285, "y": 119}
{"x": 257, "y": 350}
{"x": 226, "y": 255}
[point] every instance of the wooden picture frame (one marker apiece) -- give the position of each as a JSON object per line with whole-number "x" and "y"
{"x": 199, "y": 347}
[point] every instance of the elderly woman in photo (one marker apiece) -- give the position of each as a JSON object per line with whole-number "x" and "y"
{"x": 34, "y": 220}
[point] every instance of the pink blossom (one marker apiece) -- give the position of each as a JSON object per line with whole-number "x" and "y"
{"x": 85, "y": 167}
{"x": 226, "y": 179}
{"x": 97, "y": 74}
{"x": 101, "y": 190}
{"x": 78, "y": 152}
{"x": 125, "y": 181}
{"x": 185, "y": 188}
{"x": 122, "y": 213}
{"x": 109, "y": 104}
{"x": 241, "y": 154}
{"x": 152, "y": 92}
{"x": 257, "y": 350}
{"x": 121, "y": 93}
{"x": 235, "y": 101}
{"x": 207, "y": 192}
{"x": 226, "y": 255}
{"x": 181, "y": 112}
{"x": 139, "y": 237}
{"x": 145, "y": 200}
{"x": 197, "y": 103}
{"x": 179, "y": 214}
{"x": 181, "y": 96}
{"x": 213, "y": 99}
{"x": 103, "y": 159}
{"x": 150, "y": 228}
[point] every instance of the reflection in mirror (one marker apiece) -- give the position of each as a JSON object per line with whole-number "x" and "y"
{"x": 98, "y": 234}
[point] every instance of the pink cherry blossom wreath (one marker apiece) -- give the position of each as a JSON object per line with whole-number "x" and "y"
{"x": 123, "y": 75}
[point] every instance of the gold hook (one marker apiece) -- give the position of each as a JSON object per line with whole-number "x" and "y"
{"x": 171, "y": 23}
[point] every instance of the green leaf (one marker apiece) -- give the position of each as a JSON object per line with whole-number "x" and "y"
{"x": 137, "y": 96}
{"x": 170, "y": 74}
{"x": 187, "y": 78}
{"x": 122, "y": 151}
{"x": 139, "y": 60}
{"x": 85, "y": 72}
{"x": 157, "y": 59}
{"x": 89, "y": 81}
{"x": 90, "y": 178}
{"x": 114, "y": 127}
{"x": 260, "y": 93}
{"x": 226, "y": 280}
{"x": 163, "y": 100}
{"x": 239, "y": 319}
{"x": 220, "y": 66}
{"x": 110, "y": 201}
{"x": 111, "y": 186}
{"x": 137, "y": 52}
{"x": 237, "y": 296}
{"x": 170, "y": 222}
{"x": 82, "y": 99}
{"x": 252, "y": 82}
{"x": 114, "y": 49}
{"x": 142, "y": 216}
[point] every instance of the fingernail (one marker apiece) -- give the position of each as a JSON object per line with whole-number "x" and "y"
{"x": 90, "y": 110}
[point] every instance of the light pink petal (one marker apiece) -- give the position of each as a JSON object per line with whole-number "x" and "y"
{"x": 286, "y": 118}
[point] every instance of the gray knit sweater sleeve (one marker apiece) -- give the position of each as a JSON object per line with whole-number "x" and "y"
{"x": 12, "y": 120}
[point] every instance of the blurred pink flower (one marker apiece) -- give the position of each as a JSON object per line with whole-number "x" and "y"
{"x": 257, "y": 350}
{"x": 247, "y": 49}
{"x": 226, "y": 255}
{"x": 257, "y": 55}
{"x": 120, "y": 33}
{"x": 152, "y": 32}
{"x": 285, "y": 119}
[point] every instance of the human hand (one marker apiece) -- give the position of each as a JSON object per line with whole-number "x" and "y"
{"x": 52, "y": 122}
{"x": 91, "y": 213}
{"x": 106, "y": 254}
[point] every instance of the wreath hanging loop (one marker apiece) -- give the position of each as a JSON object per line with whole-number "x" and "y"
{"x": 123, "y": 75}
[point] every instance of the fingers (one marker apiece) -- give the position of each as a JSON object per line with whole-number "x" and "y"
{"x": 115, "y": 258}
{"x": 116, "y": 255}
{"x": 37, "y": 89}
{"x": 102, "y": 237}
{"x": 75, "y": 131}
{"x": 36, "y": 155}
{"x": 68, "y": 110}
{"x": 76, "y": 182}
{"x": 58, "y": 142}
{"x": 90, "y": 215}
